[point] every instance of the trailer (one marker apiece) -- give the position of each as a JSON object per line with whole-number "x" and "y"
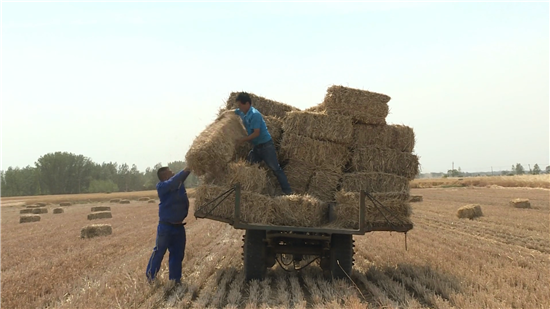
{"x": 294, "y": 247}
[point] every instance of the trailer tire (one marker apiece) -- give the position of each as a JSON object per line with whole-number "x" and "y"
{"x": 254, "y": 255}
{"x": 341, "y": 250}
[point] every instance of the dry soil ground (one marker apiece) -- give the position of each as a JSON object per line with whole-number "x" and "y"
{"x": 500, "y": 260}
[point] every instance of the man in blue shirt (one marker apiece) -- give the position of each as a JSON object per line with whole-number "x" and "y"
{"x": 264, "y": 148}
{"x": 173, "y": 209}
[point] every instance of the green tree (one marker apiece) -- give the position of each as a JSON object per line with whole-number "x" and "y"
{"x": 548, "y": 169}
{"x": 536, "y": 170}
{"x": 519, "y": 169}
{"x": 63, "y": 172}
{"x": 99, "y": 186}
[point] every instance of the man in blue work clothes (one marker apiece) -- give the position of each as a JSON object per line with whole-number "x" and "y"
{"x": 173, "y": 209}
{"x": 264, "y": 148}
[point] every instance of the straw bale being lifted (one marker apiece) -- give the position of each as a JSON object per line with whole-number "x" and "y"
{"x": 396, "y": 210}
{"x": 324, "y": 183}
{"x": 364, "y": 106}
{"x": 100, "y": 215}
{"x": 320, "y": 126}
{"x": 317, "y": 153}
{"x": 469, "y": 211}
{"x": 95, "y": 230}
{"x": 396, "y": 137}
{"x": 374, "y": 182}
{"x": 384, "y": 160}
{"x": 298, "y": 174}
{"x": 29, "y": 218}
{"x": 520, "y": 203}
{"x": 215, "y": 146}
{"x": 101, "y": 208}
{"x": 265, "y": 106}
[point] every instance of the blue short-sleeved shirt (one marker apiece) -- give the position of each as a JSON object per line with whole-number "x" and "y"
{"x": 254, "y": 120}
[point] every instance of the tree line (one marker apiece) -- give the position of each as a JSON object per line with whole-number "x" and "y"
{"x": 68, "y": 173}
{"x": 517, "y": 169}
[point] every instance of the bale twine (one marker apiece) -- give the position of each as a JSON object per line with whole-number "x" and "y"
{"x": 26, "y": 211}
{"x": 41, "y": 204}
{"x": 65, "y": 204}
{"x": 40, "y": 210}
{"x": 416, "y": 198}
{"x": 520, "y": 203}
{"x": 398, "y": 137}
{"x": 318, "y": 153}
{"x": 29, "y": 218}
{"x": 324, "y": 183}
{"x": 58, "y": 210}
{"x": 124, "y": 202}
{"x": 265, "y": 106}
{"x": 100, "y": 215}
{"x": 142, "y": 199}
{"x": 320, "y": 126}
{"x": 374, "y": 182}
{"x": 151, "y": 201}
{"x": 363, "y": 106}
{"x": 215, "y": 146}
{"x": 115, "y": 200}
{"x": 384, "y": 160}
{"x": 469, "y": 211}
{"x": 95, "y": 230}
{"x": 101, "y": 208}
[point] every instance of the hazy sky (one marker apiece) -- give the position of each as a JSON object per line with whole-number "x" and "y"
{"x": 136, "y": 82}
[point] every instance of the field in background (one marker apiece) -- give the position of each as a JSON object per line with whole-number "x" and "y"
{"x": 526, "y": 181}
{"x": 500, "y": 260}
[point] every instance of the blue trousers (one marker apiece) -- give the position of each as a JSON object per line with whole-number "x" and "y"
{"x": 171, "y": 238}
{"x": 267, "y": 153}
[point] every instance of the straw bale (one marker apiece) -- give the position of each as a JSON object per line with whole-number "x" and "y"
{"x": 151, "y": 201}
{"x": 29, "y": 218}
{"x": 416, "y": 198}
{"x": 251, "y": 176}
{"x": 319, "y": 108}
{"x": 317, "y": 153}
{"x": 101, "y": 208}
{"x": 40, "y": 210}
{"x": 124, "y": 202}
{"x": 143, "y": 198}
{"x": 216, "y": 145}
{"x": 265, "y": 106}
{"x": 324, "y": 183}
{"x": 364, "y": 106}
{"x": 41, "y": 204}
{"x": 300, "y": 210}
{"x": 272, "y": 186}
{"x": 384, "y": 160}
{"x": 115, "y": 200}
{"x": 299, "y": 174}
{"x": 26, "y": 211}
{"x": 33, "y": 206}
{"x": 275, "y": 128}
{"x": 469, "y": 211}
{"x": 396, "y": 210}
{"x": 374, "y": 182}
{"x": 320, "y": 126}
{"x": 95, "y": 230}
{"x": 65, "y": 204}
{"x": 100, "y": 215}
{"x": 520, "y": 203}
{"x": 398, "y": 137}
{"x": 58, "y": 210}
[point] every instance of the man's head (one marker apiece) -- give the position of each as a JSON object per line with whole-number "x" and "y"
{"x": 164, "y": 173}
{"x": 243, "y": 101}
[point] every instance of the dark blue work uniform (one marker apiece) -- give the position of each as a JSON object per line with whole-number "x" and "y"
{"x": 173, "y": 209}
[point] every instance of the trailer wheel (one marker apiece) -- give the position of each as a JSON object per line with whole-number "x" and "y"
{"x": 254, "y": 255}
{"x": 341, "y": 251}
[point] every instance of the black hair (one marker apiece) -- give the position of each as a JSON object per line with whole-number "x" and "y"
{"x": 244, "y": 98}
{"x": 161, "y": 170}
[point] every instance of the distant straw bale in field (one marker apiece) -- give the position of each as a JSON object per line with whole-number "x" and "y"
{"x": 520, "y": 203}
{"x": 396, "y": 137}
{"x": 298, "y": 174}
{"x": 300, "y": 210}
{"x": 151, "y": 201}
{"x": 95, "y": 230}
{"x": 101, "y": 208}
{"x": 216, "y": 145}
{"x": 416, "y": 198}
{"x": 324, "y": 183}
{"x": 115, "y": 200}
{"x": 40, "y": 210}
{"x": 265, "y": 106}
{"x": 100, "y": 215}
{"x": 275, "y": 127}
{"x": 144, "y": 198}
{"x": 364, "y": 106}
{"x": 384, "y": 160}
{"x": 41, "y": 204}
{"x": 374, "y": 182}
{"x": 26, "y": 211}
{"x": 29, "y": 218}
{"x": 58, "y": 210}
{"x": 469, "y": 211}
{"x": 65, "y": 204}
{"x": 33, "y": 206}
{"x": 320, "y": 126}
{"x": 318, "y": 153}
{"x": 124, "y": 202}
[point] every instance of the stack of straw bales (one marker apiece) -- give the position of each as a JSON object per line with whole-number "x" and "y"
{"x": 329, "y": 153}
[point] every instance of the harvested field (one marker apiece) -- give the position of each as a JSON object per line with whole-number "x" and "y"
{"x": 316, "y": 153}
{"x": 100, "y": 215}
{"x": 266, "y": 106}
{"x": 363, "y": 106}
{"x": 384, "y": 160}
{"x": 526, "y": 181}
{"x": 398, "y": 137}
{"x": 320, "y": 126}
{"x": 101, "y": 208}
{"x": 143, "y": 198}
{"x": 41, "y": 204}
{"x": 151, "y": 201}
{"x": 499, "y": 260}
